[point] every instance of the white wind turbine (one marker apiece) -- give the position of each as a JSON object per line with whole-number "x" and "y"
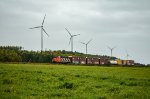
{"x": 42, "y": 30}
{"x": 111, "y": 49}
{"x": 71, "y": 38}
{"x": 127, "y": 55}
{"x": 86, "y": 44}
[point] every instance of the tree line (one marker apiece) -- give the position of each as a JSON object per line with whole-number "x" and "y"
{"x": 17, "y": 54}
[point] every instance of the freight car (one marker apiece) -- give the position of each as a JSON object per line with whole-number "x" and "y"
{"x": 82, "y": 60}
{"x": 74, "y": 59}
{"x": 91, "y": 60}
{"x": 130, "y": 62}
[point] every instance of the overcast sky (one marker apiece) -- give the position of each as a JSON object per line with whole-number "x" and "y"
{"x": 121, "y": 23}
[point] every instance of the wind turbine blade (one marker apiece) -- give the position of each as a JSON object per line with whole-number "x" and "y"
{"x": 82, "y": 43}
{"x": 114, "y": 47}
{"x": 76, "y": 35}
{"x": 43, "y": 20}
{"x": 68, "y": 31}
{"x": 108, "y": 47}
{"x": 89, "y": 41}
{"x": 35, "y": 27}
{"x": 45, "y": 31}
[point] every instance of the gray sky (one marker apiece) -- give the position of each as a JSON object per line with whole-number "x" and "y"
{"x": 121, "y": 23}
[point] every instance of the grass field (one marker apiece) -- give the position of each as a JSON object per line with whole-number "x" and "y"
{"x": 77, "y": 82}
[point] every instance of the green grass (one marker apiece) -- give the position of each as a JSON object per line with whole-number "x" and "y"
{"x": 77, "y": 82}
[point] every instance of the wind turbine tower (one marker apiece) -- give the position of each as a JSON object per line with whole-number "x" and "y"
{"x": 127, "y": 55}
{"x": 42, "y": 30}
{"x": 111, "y": 49}
{"x": 71, "y": 38}
{"x": 86, "y": 44}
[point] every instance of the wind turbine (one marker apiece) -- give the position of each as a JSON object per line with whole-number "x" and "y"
{"x": 127, "y": 55}
{"x": 111, "y": 49}
{"x": 42, "y": 30}
{"x": 71, "y": 38}
{"x": 86, "y": 44}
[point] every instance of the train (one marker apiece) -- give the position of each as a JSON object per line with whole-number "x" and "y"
{"x": 91, "y": 60}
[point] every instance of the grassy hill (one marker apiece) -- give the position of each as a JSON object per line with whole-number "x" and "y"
{"x": 60, "y": 81}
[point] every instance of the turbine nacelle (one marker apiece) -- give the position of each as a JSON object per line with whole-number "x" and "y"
{"x": 75, "y": 35}
{"x": 111, "y": 48}
{"x": 87, "y": 42}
